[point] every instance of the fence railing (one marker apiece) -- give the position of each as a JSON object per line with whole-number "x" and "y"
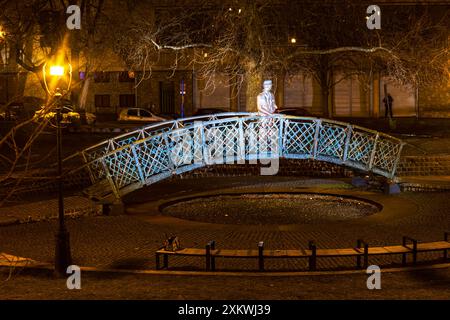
{"x": 156, "y": 152}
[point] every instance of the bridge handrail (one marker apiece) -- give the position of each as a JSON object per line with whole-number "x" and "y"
{"x": 146, "y": 158}
{"x": 166, "y": 124}
{"x": 322, "y": 120}
{"x": 211, "y": 118}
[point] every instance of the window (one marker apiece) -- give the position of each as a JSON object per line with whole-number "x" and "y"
{"x": 351, "y": 98}
{"x": 102, "y": 101}
{"x": 126, "y": 76}
{"x": 101, "y": 77}
{"x": 133, "y": 112}
{"x": 127, "y": 100}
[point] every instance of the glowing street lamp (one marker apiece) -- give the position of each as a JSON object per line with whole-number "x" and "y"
{"x": 57, "y": 84}
{"x": 4, "y": 48}
{"x": 56, "y": 71}
{"x": 57, "y": 81}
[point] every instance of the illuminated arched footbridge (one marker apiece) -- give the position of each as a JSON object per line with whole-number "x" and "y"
{"x": 155, "y": 152}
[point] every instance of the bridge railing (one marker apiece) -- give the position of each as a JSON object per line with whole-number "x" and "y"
{"x": 107, "y": 146}
{"x": 155, "y": 153}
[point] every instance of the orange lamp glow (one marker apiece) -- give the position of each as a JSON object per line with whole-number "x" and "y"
{"x": 56, "y": 71}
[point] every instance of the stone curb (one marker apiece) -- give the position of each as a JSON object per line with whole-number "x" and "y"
{"x": 49, "y": 267}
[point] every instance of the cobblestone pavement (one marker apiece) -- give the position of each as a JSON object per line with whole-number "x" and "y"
{"x": 417, "y": 284}
{"x": 129, "y": 241}
{"x": 46, "y": 209}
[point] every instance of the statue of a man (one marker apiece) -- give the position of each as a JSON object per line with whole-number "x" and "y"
{"x": 266, "y": 100}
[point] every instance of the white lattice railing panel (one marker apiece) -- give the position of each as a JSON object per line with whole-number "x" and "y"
{"x": 387, "y": 154}
{"x": 153, "y": 156}
{"x": 221, "y": 142}
{"x": 299, "y": 137}
{"x": 122, "y": 167}
{"x": 261, "y": 137}
{"x": 181, "y": 146}
{"x": 331, "y": 141}
{"x": 360, "y": 147}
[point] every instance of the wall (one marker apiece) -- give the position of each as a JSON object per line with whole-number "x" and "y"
{"x": 434, "y": 102}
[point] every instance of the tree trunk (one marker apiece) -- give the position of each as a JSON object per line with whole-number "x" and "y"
{"x": 325, "y": 77}
{"x": 324, "y": 101}
{"x": 254, "y": 87}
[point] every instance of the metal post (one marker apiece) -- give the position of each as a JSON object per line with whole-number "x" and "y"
{"x": 404, "y": 254}
{"x": 358, "y": 258}
{"x": 182, "y": 93}
{"x": 208, "y": 257}
{"x": 446, "y": 234}
{"x": 213, "y": 259}
{"x": 280, "y": 137}
{"x": 347, "y": 142}
{"x": 316, "y": 137}
{"x": 366, "y": 255}
{"x": 261, "y": 255}
{"x": 169, "y": 151}
{"x": 241, "y": 141}
{"x": 313, "y": 257}
{"x": 374, "y": 149}
{"x": 114, "y": 188}
{"x": 157, "y": 261}
{"x": 362, "y": 243}
{"x": 91, "y": 175}
{"x": 414, "y": 250}
{"x": 397, "y": 160}
{"x": 63, "y": 257}
{"x": 138, "y": 164}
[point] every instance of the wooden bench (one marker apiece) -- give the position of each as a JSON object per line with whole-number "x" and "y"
{"x": 361, "y": 252}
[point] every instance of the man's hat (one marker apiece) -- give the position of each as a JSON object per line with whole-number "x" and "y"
{"x": 268, "y": 82}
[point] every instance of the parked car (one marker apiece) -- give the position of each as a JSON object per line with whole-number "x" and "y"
{"x": 87, "y": 117}
{"x": 8, "y": 114}
{"x": 298, "y": 112}
{"x": 206, "y": 111}
{"x": 20, "y": 108}
{"x": 69, "y": 114}
{"x": 139, "y": 115}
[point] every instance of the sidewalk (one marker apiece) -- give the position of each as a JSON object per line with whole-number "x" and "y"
{"x": 425, "y": 183}
{"x": 425, "y": 163}
{"x": 74, "y": 206}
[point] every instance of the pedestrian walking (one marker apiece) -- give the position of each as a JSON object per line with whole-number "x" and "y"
{"x": 388, "y": 101}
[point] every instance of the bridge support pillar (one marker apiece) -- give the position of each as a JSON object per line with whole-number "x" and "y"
{"x": 115, "y": 208}
{"x": 390, "y": 187}
{"x": 360, "y": 182}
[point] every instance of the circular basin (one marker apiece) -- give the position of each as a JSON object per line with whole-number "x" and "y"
{"x": 270, "y": 208}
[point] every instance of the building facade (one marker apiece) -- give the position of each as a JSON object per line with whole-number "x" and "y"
{"x": 112, "y": 86}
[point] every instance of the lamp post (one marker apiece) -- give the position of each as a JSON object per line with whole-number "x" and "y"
{"x": 4, "y": 48}
{"x": 182, "y": 93}
{"x": 57, "y": 73}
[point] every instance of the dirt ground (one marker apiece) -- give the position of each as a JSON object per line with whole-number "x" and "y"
{"x": 420, "y": 284}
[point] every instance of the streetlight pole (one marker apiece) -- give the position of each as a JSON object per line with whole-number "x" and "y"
{"x": 63, "y": 257}
{"x": 182, "y": 93}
